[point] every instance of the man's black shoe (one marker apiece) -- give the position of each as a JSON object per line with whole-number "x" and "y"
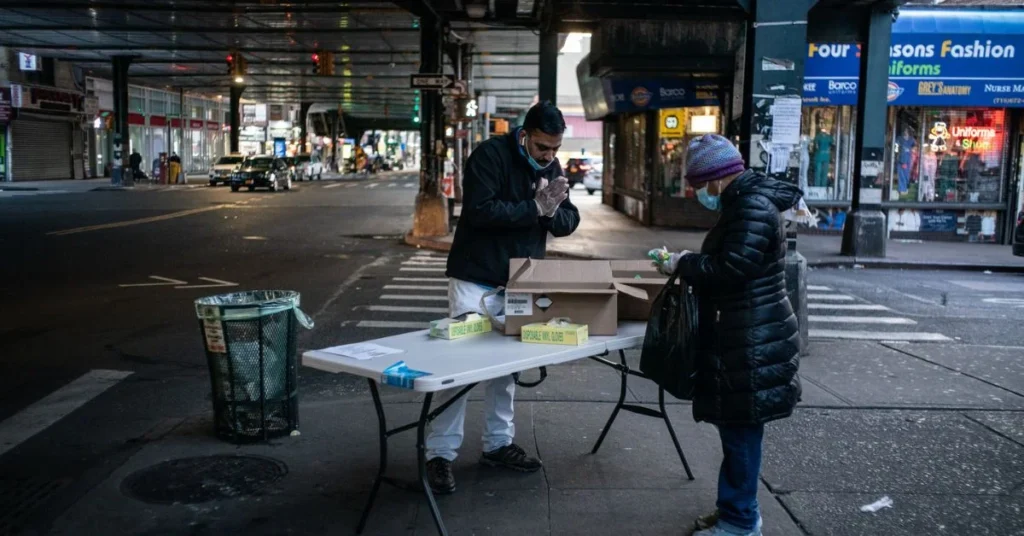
{"x": 440, "y": 476}
{"x": 511, "y": 457}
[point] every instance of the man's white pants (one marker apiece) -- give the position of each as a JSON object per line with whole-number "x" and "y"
{"x": 446, "y": 431}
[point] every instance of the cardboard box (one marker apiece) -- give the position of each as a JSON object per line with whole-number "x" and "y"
{"x": 583, "y": 291}
{"x": 650, "y": 280}
{"x": 453, "y": 328}
{"x": 558, "y": 331}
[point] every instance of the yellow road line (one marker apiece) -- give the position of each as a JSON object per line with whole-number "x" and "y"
{"x": 140, "y": 221}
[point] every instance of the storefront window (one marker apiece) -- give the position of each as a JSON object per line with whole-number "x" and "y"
{"x": 825, "y": 160}
{"x": 174, "y": 108}
{"x": 676, "y": 129}
{"x": 634, "y": 169}
{"x": 947, "y": 156}
{"x": 158, "y": 103}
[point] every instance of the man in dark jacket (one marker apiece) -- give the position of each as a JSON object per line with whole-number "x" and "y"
{"x": 748, "y": 331}
{"x": 514, "y": 195}
{"x": 135, "y": 161}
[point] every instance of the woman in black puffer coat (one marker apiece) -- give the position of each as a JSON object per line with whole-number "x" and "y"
{"x": 749, "y": 333}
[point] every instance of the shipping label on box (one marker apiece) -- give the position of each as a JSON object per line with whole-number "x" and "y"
{"x": 518, "y": 304}
{"x": 556, "y": 332}
{"x": 453, "y": 328}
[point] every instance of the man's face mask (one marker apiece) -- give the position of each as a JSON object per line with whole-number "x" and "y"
{"x": 525, "y": 149}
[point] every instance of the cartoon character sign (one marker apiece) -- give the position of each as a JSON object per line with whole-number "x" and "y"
{"x": 937, "y": 137}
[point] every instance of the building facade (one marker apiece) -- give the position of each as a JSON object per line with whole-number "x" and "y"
{"x": 953, "y": 168}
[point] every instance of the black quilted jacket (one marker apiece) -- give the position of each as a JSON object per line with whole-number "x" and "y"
{"x": 748, "y": 330}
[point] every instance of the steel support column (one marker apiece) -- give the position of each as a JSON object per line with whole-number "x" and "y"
{"x": 772, "y": 95}
{"x": 304, "y": 132}
{"x": 119, "y": 174}
{"x": 775, "y": 50}
{"x": 431, "y": 216}
{"x": 865, "y": 231}
{"x": 235, "y": 113}
{"x": 335, "y": 122}
{"x": 548, "y": 63}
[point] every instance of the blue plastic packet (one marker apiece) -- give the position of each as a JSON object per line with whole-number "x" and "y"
{"x": 400, "y": 375}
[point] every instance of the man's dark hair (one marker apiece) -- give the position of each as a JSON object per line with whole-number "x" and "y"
{"x": 546, "y": 117}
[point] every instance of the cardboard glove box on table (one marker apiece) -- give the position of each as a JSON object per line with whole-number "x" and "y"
{"x": 584, "y": 291}
{"x": 650, "y": 280}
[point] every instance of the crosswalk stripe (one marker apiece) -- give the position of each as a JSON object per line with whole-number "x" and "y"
{"x": 413, "y": 297}
{"x": 425, "y": 262}
{"x": 392, "y": 185}
{"x": 392, "y": 324}
{"x": 403, "y": 309}
{"x": 419, "y": 269}
{"x": 860, "y": 319}
{"x": 350, "y": 185}
{"x": 848, "y": 306}
{"x": 421, "y": 279}
{"x": 372, "y": 185}
{"x": 876, "y": 335}
{"x": 829, "y": 297}
{"x": 55, "y": 406}
{"x": 414, "y": 287}
{"x": 335, "y": 185}
{"x": 408, "y": 185}
{"x": 818, "y": 288}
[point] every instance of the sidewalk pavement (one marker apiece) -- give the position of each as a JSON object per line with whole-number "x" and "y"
{"x": 943, "y": 438}
{"x": 607, "y": 234}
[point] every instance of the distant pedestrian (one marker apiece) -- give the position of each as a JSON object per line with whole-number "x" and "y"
{"x": 748, "y": 332}
{"x": 135, "y": 162}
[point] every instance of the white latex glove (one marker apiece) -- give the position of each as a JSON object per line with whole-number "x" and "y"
{"x": 550, "y": 195}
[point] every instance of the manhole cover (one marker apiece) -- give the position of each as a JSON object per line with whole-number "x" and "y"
{"x": 198, "y": 480}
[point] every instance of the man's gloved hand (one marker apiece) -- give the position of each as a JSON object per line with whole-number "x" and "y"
{"x": 666, "y": 262}
{"x": 550, "y": 195}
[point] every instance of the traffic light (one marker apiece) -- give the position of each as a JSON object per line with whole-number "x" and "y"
{"x": 323, "y": 63}
{"x": 237, "y": 66}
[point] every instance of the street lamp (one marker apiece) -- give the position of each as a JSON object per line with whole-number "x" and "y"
{"x": 239, "y": 80}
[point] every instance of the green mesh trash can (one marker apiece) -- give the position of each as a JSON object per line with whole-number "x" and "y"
{"x": 250, "y": 348}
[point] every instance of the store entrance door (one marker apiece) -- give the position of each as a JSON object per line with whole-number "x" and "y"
{"x": 1015, "y": 192}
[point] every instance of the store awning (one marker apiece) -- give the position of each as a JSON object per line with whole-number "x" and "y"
{"x": 959, "y": 21}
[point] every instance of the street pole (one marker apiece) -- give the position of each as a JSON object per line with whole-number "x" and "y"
{"x": 865, "y": 231}
{"x": 548, "y": 66}
{"x": 119, "y": 174}
{"x": 234, "y": 110}
{"x": 431, "y": 217}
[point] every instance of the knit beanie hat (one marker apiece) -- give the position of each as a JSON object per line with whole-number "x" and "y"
{"x": 711, "y": 157}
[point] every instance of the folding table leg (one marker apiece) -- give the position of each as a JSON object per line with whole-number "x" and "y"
{"x": 382, "y": 468}
{"x": 672, "y": 432}
{"x": 624, "y": 372}
{"x": 421, "y": 452}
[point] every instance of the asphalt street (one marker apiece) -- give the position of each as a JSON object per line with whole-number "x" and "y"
{"x": 98, "y": 295}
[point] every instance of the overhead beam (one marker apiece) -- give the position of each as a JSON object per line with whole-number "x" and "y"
{"x": 286, "y": 63}
{"x": 147, "y": 28}
{"x": 240, "y": 8}
{"x": 213, "y": 47}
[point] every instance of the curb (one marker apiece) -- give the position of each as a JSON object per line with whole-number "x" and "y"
{"x": 436, "y": 244}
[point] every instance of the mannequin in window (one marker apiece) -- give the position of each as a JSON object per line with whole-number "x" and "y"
{"x": 905, "y": 145}
{"x": 822, "y": 157}
{"x": 805, "y": 161}
{"x": 929, "y": 165}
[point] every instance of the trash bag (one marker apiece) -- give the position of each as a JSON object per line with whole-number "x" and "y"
{"x": 669, "y": 355}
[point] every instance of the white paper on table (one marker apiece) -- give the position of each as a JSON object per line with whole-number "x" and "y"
{"x": 780, "y": 158}
{"x": 362, "y": 351}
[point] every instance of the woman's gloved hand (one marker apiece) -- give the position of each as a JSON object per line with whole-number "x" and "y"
{"x": 666, "y": 262}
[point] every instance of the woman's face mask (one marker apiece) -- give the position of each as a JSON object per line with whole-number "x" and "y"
{"x": 710, "y": 202}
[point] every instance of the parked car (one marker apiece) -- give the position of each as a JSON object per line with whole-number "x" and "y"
{"x": 312, "y": 167}
{"x": 594, "y": 178}
{"x": 262, "y": 172}
{"x": 1018, "y": 236}
{"x": 297, "y": 166}
{"x": 577, "y": 168}
{"x": 225, "y": 166}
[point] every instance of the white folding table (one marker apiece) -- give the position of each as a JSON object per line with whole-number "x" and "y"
{"x": 466, "y": 362}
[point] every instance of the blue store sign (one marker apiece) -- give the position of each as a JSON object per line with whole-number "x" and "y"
{"x": 656, "y": 94}
{"x": 937, "y": 58}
